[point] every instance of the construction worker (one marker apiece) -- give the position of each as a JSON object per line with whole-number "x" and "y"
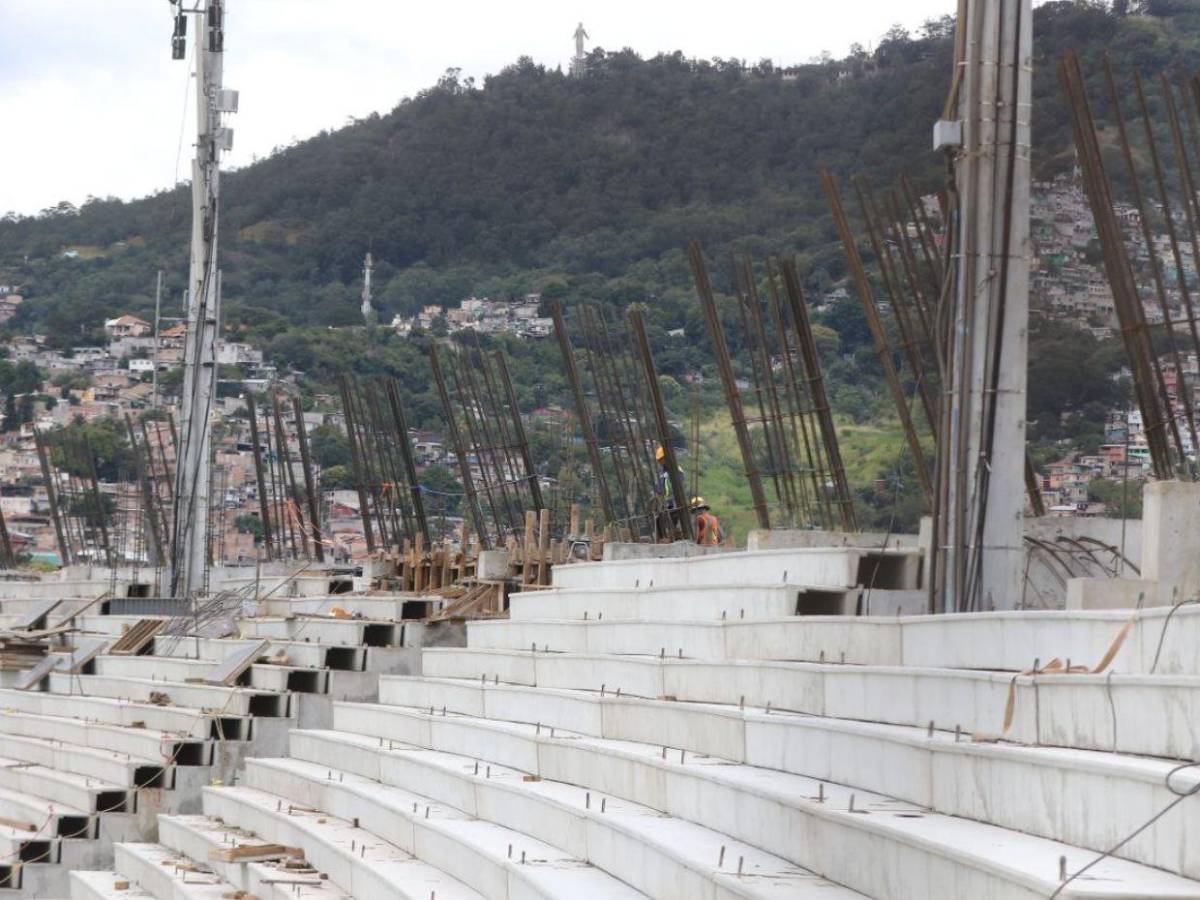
{"x": 667, "y": 494}
{"x": 707, "y": 525}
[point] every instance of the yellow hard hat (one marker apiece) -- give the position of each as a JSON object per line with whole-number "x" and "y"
{"x": 698, "y": 502}
{"x": 660, "y": 454}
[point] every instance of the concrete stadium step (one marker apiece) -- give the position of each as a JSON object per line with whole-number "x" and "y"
{"x": 865, "y": 640}
{"x": 231, "y": 704}
{"x": 1011, "y": 641}
{"x": 389, "y": 608}
{"x": 710, "y": 601}
{"x": 301, "y": 654}
{"x": 326, "y": 630}
{"x": 660, "y": 855}
{"x": 932, "y": 769}
{"x": 27, "y": 848}
{"x": 263, "y": 676}
{"x": 1155, "y": 715}
{"x": 167, "y": 875}
{"x": 919, "y": 854}
{"x": 197, "y": 837}
{"x": 143, "y": 743}
{"x": 357, "y": 862}
{"x": 67, "y": 790}
{"x": 45, "y": 817}
{"x": 105, "y": 884}
{"x": 179, "y": 720}
{"x": 494, "y": 860}
{"x": 1015, "y": 640}
{"x": 106, "y": 766}
{"x": 821, "y": 567}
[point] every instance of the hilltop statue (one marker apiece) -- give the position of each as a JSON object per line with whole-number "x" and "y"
{"x": 579, "y": 63}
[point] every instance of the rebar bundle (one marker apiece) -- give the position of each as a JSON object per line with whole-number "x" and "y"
{"x": 615, "y": 411}
{"x": 1165, "y": 418}
{"x": 795, "y": 442}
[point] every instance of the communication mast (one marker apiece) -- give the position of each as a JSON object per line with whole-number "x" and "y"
{"x": 368, "y": 311}
{"x": 193, "y": 475}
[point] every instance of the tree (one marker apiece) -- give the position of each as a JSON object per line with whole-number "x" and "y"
{"x": 329, "y": 446}
{"x": 249, "y": 524}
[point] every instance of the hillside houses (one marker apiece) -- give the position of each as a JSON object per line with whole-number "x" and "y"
{"x": 485, "y": 316}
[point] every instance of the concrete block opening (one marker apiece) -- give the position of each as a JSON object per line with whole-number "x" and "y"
{"x": 191, "y": 753}
{"x": 414, "y": 609}
{"x": 76, "y": 827}
{"x": 379, "y": 635}
{"x": 37, "y": 852}
{"x": 341, "y": 586}
{"x": 230, "y": 728}
{"x": 267, "y": 705}
{"x": 113, "y": 802}
{"x": 344, "y": 659}
{"x": 153, "y": 777}
{"x": 10, "y": 877}
{"x": 887, "y": 572}
{"x": 821, "y": 603}
{"x": 137, "y": 591}
{"x": 305, "y": 681}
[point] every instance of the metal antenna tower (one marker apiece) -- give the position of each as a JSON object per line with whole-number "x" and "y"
{"x": 978, "y": 535}
{"x": 189, "y": 546}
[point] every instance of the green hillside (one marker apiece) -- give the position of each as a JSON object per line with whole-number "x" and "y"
{"x": 588, "y": 187}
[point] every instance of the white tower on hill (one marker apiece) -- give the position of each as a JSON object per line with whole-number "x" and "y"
{"x": 368, "y": 311}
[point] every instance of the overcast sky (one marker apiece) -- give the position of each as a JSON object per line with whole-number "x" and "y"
{"x": 91, "y": 102}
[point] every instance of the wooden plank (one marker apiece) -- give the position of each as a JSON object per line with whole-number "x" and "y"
{"x": 16, "y": 824}
{"x": 543, "y": 570}
{"x": 244, "y": 852}
{"x": 230, "y": 669}
{"x": 137, "y": 636}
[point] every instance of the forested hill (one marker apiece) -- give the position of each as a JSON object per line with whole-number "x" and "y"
{"x": 534, "y": 176}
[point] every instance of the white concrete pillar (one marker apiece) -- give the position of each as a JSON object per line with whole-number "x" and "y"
{"x": 1171, "y": 538}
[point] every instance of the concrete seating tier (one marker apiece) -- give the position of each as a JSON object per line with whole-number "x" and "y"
{"x": 183, "y": 721}
{"x": 840, "y": 567}
{"x": 827, "y": 638}
{"x": 168, "y": 747}
{"x": 825, "y": 827}
{"x": 302, "y": 654}
{"x": 935, "y": 770}
{"x": 1011, "y": 641}
{"x": 229, "y": 703}
{"x": 100, "y": 884}
{"x": 163, "y": 873}
{"x": 359, "y": 863}
{"x": 378, "y": 608}
{"x": 263, "y": 676}
{"x": 197, "y": 836}
{"x": 692, "y": 602}
{"x": 68, "y": 791}
{"x": 1155, "y": 715}
{"x": 328, "y": 630}
{"x": 107, "y": 766}
{"x": 661, "y": 855}
{"x": 496, "y": 861}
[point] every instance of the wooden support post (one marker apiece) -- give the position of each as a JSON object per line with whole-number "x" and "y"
{"x": 544, "y": 547}
{"x": 528, "y": 551}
